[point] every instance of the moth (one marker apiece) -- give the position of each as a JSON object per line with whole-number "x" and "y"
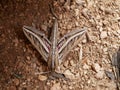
{"x": 53, "y": 50}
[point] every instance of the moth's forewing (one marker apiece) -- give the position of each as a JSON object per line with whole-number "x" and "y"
{"x": 69, "y": 41}
{"x": 38, "y": 40}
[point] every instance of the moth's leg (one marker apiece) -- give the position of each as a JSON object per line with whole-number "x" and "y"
{"x": 52, "y": 75}
{"x": 80, "y": 51}
{"x": 55, "y": 75}
{"x": 79, "y": 57}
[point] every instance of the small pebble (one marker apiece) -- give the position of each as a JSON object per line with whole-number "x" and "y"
{"x": 42, "y": 77}
{"x": 79, "y": 2}
{"x": 85, "y": 66}
{"x": 96, "y": 67}
{"x": 100, "y": 75}
{"x": 76, "y": 12}
{"x": 103, "y": 34}
{"x": 56, "y": 86}
{"x": 44, "y": 27}
{"x": 118, "y": 31}
{"x": 16, "y": 81}
{"x": 28, "y": 58}
{"x": 68, "y": 74}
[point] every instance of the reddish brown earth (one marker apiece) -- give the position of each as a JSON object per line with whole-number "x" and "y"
{"x": 20, "y": 62}
{"x": 13, "y": 15}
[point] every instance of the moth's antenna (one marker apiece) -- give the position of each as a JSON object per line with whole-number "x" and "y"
{"x": 52, "y": 11}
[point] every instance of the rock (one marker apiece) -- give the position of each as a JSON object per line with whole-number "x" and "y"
{"x": 99, "y": 75}
{"x": 85, "y": 72}
{"x": 28, "y": 58}
{"x": 68, "y": 74}
{"x": 42, "y": 77}
{"x": 77, "y": 75}
{"x": 96, "y": 67}
{"x": 66, "y": 64}
{"x": 70, "y": 87}
{"x": 16, "y": 42}
{"x": 85, "y": 13}
{"x": 60, "y": 17}
{"x": 72, "y": 7}
{"x": 85, "y": 66}
{"x": 72, "y": 63}
{"x": 103, "y": 34}
{"x": 67, "y": 7}
{"x": 105, "y": 49}
{"x": 69, "y": 26}
{"x": 79, "y": 2}
{"x": 48, "y": 83}
{"x": 64, "y": 87}
{"x": 76, "y": 24}
{"x": 118, "y": 31}
{"x": 76, "y": 12}
{"x": 84, "y": 41}
{"x": 77, "y": 49}
{"x": 56, "y": 86}
{"x": 44, "y": 27}
{"x": 28, "y": 79}
{"x": 16, "y": 81}
{"x": 101, "y": 29}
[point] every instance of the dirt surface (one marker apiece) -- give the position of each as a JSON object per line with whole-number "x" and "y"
{"x": 15, "y": 67}
{"x": 20, "y": 62}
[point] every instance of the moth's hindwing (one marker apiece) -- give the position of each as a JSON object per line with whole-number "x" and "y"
{"x": 69, "y": 41}
{"x": 38, "y": 40}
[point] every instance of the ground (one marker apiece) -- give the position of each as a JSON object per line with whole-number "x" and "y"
{"x": 20, "y": 63}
